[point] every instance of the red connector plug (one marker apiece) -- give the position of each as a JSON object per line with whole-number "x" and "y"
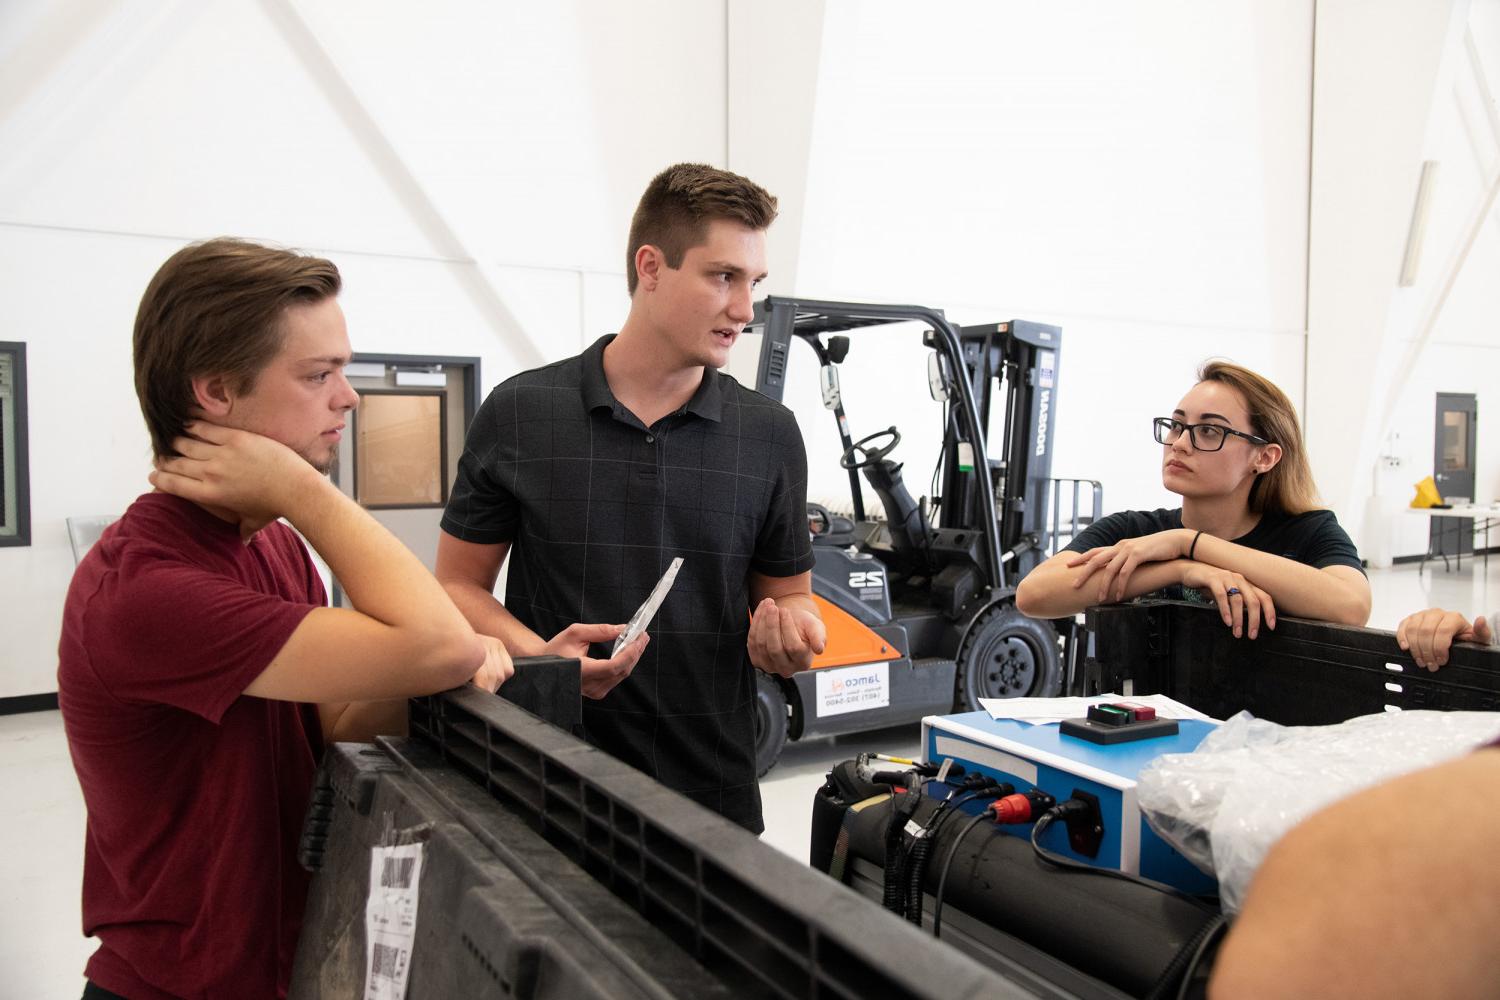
{"x": 1021, "y": 807}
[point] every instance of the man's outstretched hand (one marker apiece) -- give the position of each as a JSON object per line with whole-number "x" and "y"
{"x": 784, "y": 641}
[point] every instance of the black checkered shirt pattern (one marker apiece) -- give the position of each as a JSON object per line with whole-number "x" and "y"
{"x": 596, "y": 505}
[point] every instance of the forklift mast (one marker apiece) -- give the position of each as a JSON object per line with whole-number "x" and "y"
{"x": 1023, "y": 357}
{"x": 778, "y": 319}
{"x": 1018, "y": 354}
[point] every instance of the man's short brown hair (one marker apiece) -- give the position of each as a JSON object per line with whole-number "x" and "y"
{"x": 215, "y": 308}
{"x": 682, "y": 200}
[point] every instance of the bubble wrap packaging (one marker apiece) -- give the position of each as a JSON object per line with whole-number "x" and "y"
{"x": 1250, "y": 781}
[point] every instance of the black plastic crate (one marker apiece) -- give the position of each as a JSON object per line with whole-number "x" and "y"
{"x": 549, "y": 687}
{"x": 1302, "y": 673}
{"x": 521, "y": 921}
{"x": 545, "y": 817}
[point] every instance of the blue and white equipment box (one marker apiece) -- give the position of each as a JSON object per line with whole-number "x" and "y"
{"x": 1040, "y": 756}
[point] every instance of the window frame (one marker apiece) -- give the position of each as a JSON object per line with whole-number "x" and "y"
{"x": 443, "y": 485}
{"x": 18, "y": 460}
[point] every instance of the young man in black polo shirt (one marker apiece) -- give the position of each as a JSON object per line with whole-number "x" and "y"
{"x": 598, "y": 470}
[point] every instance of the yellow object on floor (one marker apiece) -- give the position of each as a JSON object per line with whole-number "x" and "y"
{"x": 1427, "y": 494}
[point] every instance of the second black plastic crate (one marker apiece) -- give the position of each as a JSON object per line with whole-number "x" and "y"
{"x": 1302, "y": 673}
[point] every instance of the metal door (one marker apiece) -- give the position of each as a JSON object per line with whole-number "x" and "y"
{"x": 401, "y": 449}
{"x": 1453, "y": 469}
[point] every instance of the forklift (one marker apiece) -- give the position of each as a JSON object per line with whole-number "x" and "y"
{"x": 920, "y": 603}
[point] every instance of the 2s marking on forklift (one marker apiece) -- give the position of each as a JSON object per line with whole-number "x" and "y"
{"x": 867, "y": 578}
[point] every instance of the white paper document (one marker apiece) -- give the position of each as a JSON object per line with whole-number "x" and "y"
{"x": 1039, "y": 711}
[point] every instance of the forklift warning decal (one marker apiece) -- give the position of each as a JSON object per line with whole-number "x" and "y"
{"x": 853, "y": 689}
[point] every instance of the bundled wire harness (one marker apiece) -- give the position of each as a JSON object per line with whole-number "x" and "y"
{"x": 1013, "y": 807}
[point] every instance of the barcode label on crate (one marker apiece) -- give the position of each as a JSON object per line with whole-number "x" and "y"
{"x": 387, "y": 961}
{"x": 397, "y": 873}
{"x": 391, "y": 919}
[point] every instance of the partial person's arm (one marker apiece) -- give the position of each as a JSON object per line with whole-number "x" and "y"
{"x": 406, "y": 639}
{"x": 1333, "y": 593}
{"x": 362, "y": 721}
{"x": 786, "y": 628}
{"x": 1063, "y": 584}
{"x": 1055, "y": 589}
{"x": 1339, "y": 594}
{"x": 1391, "y": 892}
{"x": 468, "y": 571}
{"x": 1428, "y": 635}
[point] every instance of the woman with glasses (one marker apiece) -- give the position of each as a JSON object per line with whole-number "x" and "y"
{"x": 1249, "y": 536}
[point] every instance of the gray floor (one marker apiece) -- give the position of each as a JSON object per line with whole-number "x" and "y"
{"x": 41, "y": 845}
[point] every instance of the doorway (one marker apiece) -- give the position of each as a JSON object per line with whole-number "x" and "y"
{"x": 1453, "y": 470}
{"x": 401, "y": 452}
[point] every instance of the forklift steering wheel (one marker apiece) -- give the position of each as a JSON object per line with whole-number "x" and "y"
{"x": 851, "y": 459}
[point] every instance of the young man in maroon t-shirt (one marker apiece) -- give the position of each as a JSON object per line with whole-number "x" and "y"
{"x": 200, "y": 672}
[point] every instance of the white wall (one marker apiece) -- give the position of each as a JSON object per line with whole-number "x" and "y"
{"x": 1135, "y": 173}
{"x": 1138, "y": 174}
{"x": 1399, "y": 83}
{"x": 1462, "y": 353}
{"x": 1149, "y": 176}
{"x": 775, "y": 62}
{"x": 471, "y": 170}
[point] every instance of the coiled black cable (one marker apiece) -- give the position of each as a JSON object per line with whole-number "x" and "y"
{"x": 898, "y": 868}
{"x": 1179, "y": 971}
{"x": 916, "y": 870}
{"x": 893, "y": 892}
{"x": 920, "y": 854}
{"x": 895, "y": 863}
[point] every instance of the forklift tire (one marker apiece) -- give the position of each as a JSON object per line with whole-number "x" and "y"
{"x": 1007, "y": 655}
{"x": 770, "y": 722}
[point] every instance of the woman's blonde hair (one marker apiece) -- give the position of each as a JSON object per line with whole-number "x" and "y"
{"x": 1288, "y": 488}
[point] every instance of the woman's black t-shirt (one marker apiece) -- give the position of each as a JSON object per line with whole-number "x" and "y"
{"x": 1313, "y": 538}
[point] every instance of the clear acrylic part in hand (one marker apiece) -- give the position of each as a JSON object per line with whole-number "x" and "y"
{"x": 647, "y": 611}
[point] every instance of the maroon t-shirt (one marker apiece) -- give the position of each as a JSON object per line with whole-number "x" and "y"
{"x": 195, "y": 792}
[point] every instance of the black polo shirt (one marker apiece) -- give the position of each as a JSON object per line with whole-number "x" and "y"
{"x": 596, "y": 505}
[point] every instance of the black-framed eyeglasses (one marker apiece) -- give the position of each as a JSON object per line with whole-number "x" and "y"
{"x": 1204, "y": 437}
